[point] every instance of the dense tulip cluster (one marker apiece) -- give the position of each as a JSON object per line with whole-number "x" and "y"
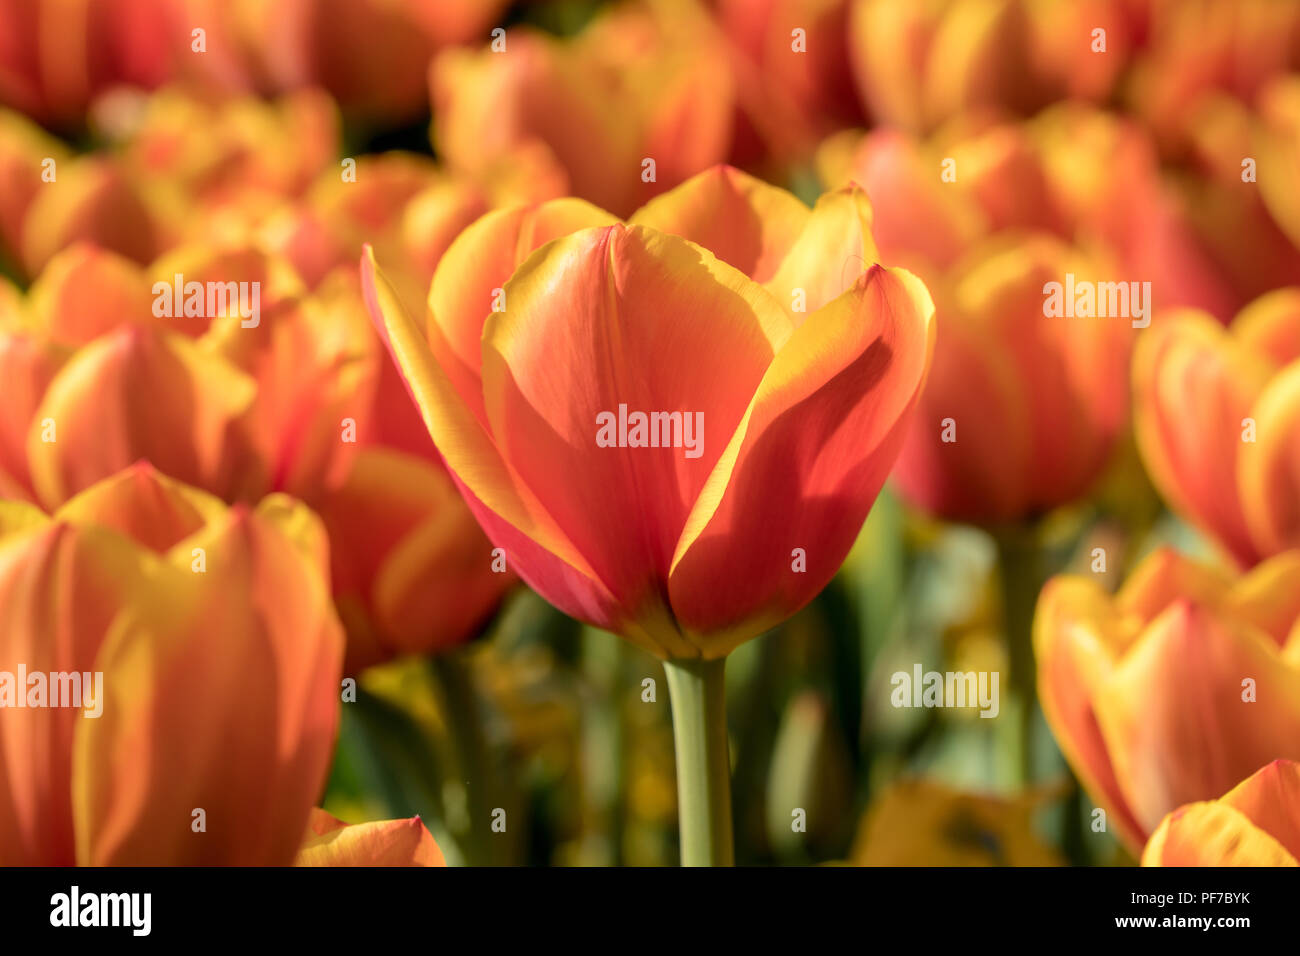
{"x": 361, "y": 360}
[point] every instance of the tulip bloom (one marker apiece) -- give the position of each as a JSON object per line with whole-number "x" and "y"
{"x": 548, "y": 323}
{"x": 216, "y": 661}
{"x": 1022, "y": 409}
{"x": 1257, "y": 823}
{"x": 1175, "y": 689}
{"x": 801, "y": 422}
{"x": 1218, "y": 422}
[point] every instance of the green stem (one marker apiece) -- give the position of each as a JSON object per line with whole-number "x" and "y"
{"x": 469, "y": 746}
{"x": 696, "y": 690}
{"x": 1021, "y": 564}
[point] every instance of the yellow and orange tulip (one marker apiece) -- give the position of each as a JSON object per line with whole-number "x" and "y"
{"x": 220, "y": 660}
{"x": 1256, "y": 823}
{"x": 1218, "y": 422}
{"x": 1175, "y": 689}
{"x": 686, "y": 307}
{"x": 1021, "y": 410}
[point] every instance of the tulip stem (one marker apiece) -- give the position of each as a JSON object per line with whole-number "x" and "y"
{"x": 472, "y": 760}
{"x": 1021, "y": 570}
{"x": 696, "y": 690}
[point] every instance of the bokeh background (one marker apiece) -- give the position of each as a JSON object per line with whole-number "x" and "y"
{"x": 1002, "y": 144}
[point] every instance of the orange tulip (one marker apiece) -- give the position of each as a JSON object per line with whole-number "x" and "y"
{"x": 412, "y": 571}
{"x": 624, "y": 91}
{"x": 1022, "y": 409}
{"x": 1175, "y": 689}
{"x": 691, "y": 549}
{"x": 1256, "y": 823}
{"x": 1218, "y": 422}
{"x": 213, "y": 653}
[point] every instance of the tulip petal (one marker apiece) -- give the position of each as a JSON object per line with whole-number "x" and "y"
{"x": 1165, "y": 576}
{"x": 409, "y": 555}
{"x": 1270, "y": 325}
{"x": 1270, "y": 798}
{"x": 1213, "y": 834}
{"x": 331, "y": 842}
{"x": 86, "y": 291}
{"x": 1269, "y": 596}
{"x": 228, "y": 704}
{"x": 834, "y": 248}
{"x": 805, "y": 463}
{"x": 1268, "y": 469}
{"x": 479, "y": 262}
{"x": 744, "y": 221}
{"x": 505, "y": 508}
{"x": 630, "y": 319}
{"x": 1193, "y": 387}
{"x": 61, "y": 590}
{"x": 1176, "y": 718}
{"x": 144, "y": 505}
{"x": 27, "y": 366}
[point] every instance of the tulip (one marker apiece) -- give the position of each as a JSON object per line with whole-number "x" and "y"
{"x": 623, "y": 92}
{"x": 1253, "y": 824}
{"x": 1175, "y": 689}
{"x": 685, "y": 553}
{"x": 412, "y": 571}
{"x": 219, "y": 657}
{"x": 1022, "y": 410}
{"x": 1218, "y": 422}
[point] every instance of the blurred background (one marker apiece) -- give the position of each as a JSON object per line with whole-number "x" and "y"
{"x": 270, "y": 140}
